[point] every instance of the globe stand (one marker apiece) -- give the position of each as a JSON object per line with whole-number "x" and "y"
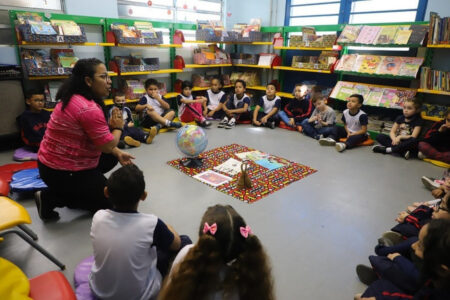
{"x": 192, "y": 162}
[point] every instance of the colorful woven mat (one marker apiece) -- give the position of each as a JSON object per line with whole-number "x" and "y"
{"x": 265, "y": 181}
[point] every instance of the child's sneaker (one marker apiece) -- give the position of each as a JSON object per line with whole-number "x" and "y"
{"x": 45, "y": 211}
{"x": 421, "y": 156}
{"x": 318, "y": 137}
{"x": 366, "y": 274}
{"x": 204, "y": 124}
{"x": 230, "y": 123}
{"x": 379, "y": 149}
{"x": 407, "y": 155}
{"x": 121, "y": 144}
{"x": 131, "y": 142}
{"x": 223, "y": 122}
{"x": 151, "y": 135}
{"x": 175, "y": 124}
{"x": 327, "y": 142}
{"x": 340, "y": 147}
{"x": 390, "y": 238}
{"x": 429, "y": 183}
{"x": 271, "y": 125}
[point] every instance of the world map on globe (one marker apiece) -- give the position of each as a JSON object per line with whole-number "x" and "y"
{"x": 191, "y": 140}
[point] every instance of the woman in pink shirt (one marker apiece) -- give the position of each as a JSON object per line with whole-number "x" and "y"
{"x": 78, "y": 146}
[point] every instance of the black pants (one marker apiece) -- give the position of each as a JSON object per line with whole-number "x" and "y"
{"x": 339, "y": 132}
{"x": 77, "y": 189}
{"x": 134, "y": 132}
{"x": 165, "y": 258}
{"x": 275, "y": 118}
{"x": 410, "y": 144}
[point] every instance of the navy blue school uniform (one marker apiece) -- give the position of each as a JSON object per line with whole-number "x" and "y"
{"x": 268, "y": 105}
{"x": 134, "y": 132}
{"x": 385, "y": 290}
{"x": 235, "y": 103}
{"x": 33, "y": 126}
{"x": 299, "y": 110}
{"x": 213, "y": 100}
{"x": 414, "y": 222}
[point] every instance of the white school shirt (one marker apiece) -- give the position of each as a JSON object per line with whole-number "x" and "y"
{"x": 354, "y": 122}
{"x": 154, "y": 103}
{"x": 268, "y": 105}
{"x": 181, "y": 105}
{"x": 245, "y": 99}
{"x": 213, "y": 296}
{"x": 125, "y": 261}
{"x": 214, "y": 99}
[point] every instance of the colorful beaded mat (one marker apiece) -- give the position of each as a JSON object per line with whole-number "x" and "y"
{"x": 264, "y": 180}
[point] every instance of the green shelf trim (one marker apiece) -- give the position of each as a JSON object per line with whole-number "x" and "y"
{"x": 374, "y": 75}
{"x": 381, "y": 45}
{"x": 130, "y": 22}
{"x": 184, "y": 26}
{"x": 272, "y": 29}
{"x": 336, "y": 27}
{"x": 53, "y": 16}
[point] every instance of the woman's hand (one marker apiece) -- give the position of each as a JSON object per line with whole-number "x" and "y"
{"x": 116, "y": 120}
{"x": 124, "y": 158}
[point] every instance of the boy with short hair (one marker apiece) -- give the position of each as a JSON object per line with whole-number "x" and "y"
{"x": 297, "y": 109}
{"x": 33, "y": 121}
{"x": 321, "y": 122}
{"x": 355, "y": 126}
{"x": 271, "y": 104}
{"x": 156, "y": 109}
{"x": 127, "y": 244}
{"x": 131, "y": 136}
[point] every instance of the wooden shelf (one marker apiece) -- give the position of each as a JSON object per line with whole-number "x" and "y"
{"x": 194, "y": 66}
{"x": 152, "y": 46}
{"x": 301, "y": 70}
{"x": 163, "y": 71}
{"x": 430, "y": 118}
{"x": 111, "y": 102}
{"x": 252, "y": 66}
{"x": 439, "y": 46}
{"x": 433, "y": 92}
{"x": 24, "y": 43}
{"x": 307, "y": 48}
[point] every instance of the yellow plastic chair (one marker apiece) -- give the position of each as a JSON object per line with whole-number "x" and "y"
{"x": 13, "y": 214}
{"x": 14, "y": 285}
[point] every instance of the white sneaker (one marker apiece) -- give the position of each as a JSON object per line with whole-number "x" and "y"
{"x": 407, "y": 155}
{"x": 230, "y": 124}
{"x": 421, "y": 156}
{"x": 340, "y": 147}
{"x": 429, "y": 183}
{"x": 327, "y": 142}
{"x": 223, "y": 122}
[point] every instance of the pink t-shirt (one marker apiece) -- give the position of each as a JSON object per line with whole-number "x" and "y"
{"x": 73, "y": 134}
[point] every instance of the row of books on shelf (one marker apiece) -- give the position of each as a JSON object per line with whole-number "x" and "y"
{"x": 434, "y": 80}
{"x": 324, "y": 61}
{"x": 309, "y": 38}
{"x": 54, "y": 27}
{"x": 376, "y": 64}
{"x": 382, "y": 35}
{"x": 439, "y": 29}
{"x": 387, "y": 97}
{"x": 44, "y": 62}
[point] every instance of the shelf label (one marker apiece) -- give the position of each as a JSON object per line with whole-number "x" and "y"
{"x": 142, "y": 40}
{"x": 316, "y": 66}
{"x": 141, "y": 68}
{"x": 60, "y": 71}
{"x": 60, "y": 38}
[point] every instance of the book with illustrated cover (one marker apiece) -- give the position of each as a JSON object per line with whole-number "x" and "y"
{"x": 374, "y": 96}
{"x": 346, "y": 62}
{"x": 387, "y": 35}
{"x": 418, "y": 34}
{"x": 24, "y": 17}
{"x": 402, "y": 96}
{"x": 338, "y": 86}
{"x": 231, "y": 167}
{"x": 308, "y": 35}
{"x": 389, "y": 96}
{"x": 369, "y": 64}
{"x": 390, "y": 65}
{"x": 269, "y": 163}
{"x": 368, "y": 34}
{"x": 410, "y": 66}
{"x": 403, "y": 35}
{"x": 361, "y": 89}
{"x": 146, "y": 29}
{"x": 127, "y": 31}
{"x": 67, "y": 27}
{"x": 44, "y": 28}
{"x": 349, "y": 34}
{"x": 212, "y": 178}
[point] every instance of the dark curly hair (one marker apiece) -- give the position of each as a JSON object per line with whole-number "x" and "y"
{"x": 198, "y": 275}
{"x": 436, "y": 253}
{"x": 76, "y": 84}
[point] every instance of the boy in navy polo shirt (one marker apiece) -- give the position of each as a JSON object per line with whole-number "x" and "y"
{"x": 270, "y": 103}
{"x": 236, "y": 106}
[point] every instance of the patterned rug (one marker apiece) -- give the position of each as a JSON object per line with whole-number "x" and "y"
{"x": 264, "y": 180}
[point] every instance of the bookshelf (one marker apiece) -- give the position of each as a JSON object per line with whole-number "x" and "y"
{"x": 375, "y": 75}
{"x": 337, "y": 48}
{"x": 252, "y": 66}
{"x": 196, "y": 66}
{"x": 435, "y": 92}
{"x": 284, "y": 68}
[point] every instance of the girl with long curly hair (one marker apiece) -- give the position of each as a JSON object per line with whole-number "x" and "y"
{"x": 227, "y": 262}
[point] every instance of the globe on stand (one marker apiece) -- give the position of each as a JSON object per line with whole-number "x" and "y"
{"x": 191, "y": 140}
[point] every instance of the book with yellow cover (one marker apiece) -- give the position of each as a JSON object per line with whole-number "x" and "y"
{"x": 67, "y": 27}
{"x": 370, "y": 64}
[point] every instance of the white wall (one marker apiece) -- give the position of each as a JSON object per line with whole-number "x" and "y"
{"x": 96, "y": 8}
{"x": 442, "y": 7}
{"x": 271, "y": 12}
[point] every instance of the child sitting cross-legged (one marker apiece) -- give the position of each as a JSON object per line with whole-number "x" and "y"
{"x": 156, "y": 110}
{"x": 227, "y": 262}
{"x": 270, "y": 103}
{"x": 299, "y": 108}
{"x": 355, "y": 126}
{"x": 436, "y": 143}
{"x": 131, "y": 136}
{"x": 33, "y": 121}
{"x": 215, "y": 100}
{"x": 131, "y": 249}
{"x": 235, "y": 106}
{"x": 321, "y": 122}
{"x": 403, "y": 138}
{"x": 190, "y": 109}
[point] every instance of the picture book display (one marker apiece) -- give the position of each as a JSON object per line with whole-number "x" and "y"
{"x": 382, "y": 65}
{"x": 373, "y": 95}
{"x": 349, "y": 34}
{"x": 67, "y": 27}
{"x": 231, "y": 166}
{"x": 368, "y": 34}
{"x": 212, "y": 178}
{"x": 387, "y": 35}
{"x": 403, "y": 35}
